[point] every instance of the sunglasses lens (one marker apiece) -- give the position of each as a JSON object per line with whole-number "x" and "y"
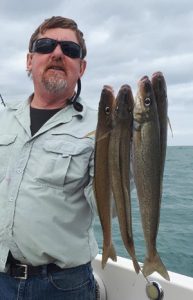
{"x": 71, "y": 49}
{"x": 47, "y": 45}
{"x": 44, "y": 46}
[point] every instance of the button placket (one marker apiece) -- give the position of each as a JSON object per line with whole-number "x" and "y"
{"x": 15, "y": 184}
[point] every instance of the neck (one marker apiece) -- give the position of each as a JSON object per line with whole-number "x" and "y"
{"x": 49, "y": 101}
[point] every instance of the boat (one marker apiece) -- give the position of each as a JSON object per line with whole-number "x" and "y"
{"x": 118, "y": 281}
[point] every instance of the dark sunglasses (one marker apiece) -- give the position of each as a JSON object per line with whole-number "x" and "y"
{"x": 46, "y": 45}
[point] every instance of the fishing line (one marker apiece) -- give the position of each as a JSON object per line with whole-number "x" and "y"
{"x": 2, "y": 101}
{"x": 77, "y": 105}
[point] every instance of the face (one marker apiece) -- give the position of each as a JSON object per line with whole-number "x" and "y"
{"x": 54, "y": 72}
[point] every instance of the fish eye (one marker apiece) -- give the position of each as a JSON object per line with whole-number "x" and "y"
{"x": 147, "y": 102}
{"x": 107, "y": 110}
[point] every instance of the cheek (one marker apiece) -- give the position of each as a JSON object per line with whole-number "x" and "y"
{"x": 76, "y": 70}
{"x": 72, "y": 69}
{"x": 38, "y": 67}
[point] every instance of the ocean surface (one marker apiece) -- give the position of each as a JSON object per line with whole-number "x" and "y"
{"x": 175, "y": 236}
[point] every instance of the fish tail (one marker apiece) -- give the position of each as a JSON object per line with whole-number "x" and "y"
{"x": 108, "y": 252}
{"x": 136, "y": 265}
{"x": 153, "y": 265}
{"x": 131, "y": 251}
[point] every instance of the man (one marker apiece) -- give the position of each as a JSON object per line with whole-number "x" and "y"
{"x": 46, "y": 156}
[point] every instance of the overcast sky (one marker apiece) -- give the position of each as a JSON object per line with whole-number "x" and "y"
{"x": 125, "y": 40}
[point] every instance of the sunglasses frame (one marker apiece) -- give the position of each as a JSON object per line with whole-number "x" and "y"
{"x": 52, "y": 44}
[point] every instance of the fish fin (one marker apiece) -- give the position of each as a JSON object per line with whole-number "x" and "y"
{"x": 136, "y": 265}
{"x": 155, "y": 265}
{"x": 90, "y": 133}
{"x": 170, "y": 127}
{"x": 104, "y": 136}
{"x": 131, "y": 250}
{"x": 108, "y": 252}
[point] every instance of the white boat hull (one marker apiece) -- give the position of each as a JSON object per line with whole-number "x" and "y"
{"x": 122, "y": 283}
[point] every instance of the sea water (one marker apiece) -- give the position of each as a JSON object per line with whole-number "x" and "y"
{"x": 175, "y": 235}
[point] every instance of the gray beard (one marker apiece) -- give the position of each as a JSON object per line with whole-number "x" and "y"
{"x": 54, "y": 84}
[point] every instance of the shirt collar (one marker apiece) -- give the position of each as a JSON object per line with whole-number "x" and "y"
{"x": 22, "y": 105}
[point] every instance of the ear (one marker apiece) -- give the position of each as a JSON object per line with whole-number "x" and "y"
{"x": 83, "y": 64}
{"x": 29, "y": 61}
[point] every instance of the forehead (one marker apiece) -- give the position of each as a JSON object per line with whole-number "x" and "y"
{"x": 60, "y": 34}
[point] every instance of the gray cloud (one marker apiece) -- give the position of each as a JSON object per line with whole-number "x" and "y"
{"x": 125, "y": 40}
{"x": 26, "y": 10}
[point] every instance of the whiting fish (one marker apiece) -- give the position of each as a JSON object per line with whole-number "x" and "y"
{"x": 119, "y": 166}
{"x": 147, "y": 171}
{"x": 160, "y": 92}
{"x": 101, "y": 171}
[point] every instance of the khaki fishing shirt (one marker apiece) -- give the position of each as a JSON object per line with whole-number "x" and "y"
{"x": 47, "y": 204}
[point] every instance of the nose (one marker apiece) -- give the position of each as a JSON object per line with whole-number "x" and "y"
{"x": 57, "y": 53}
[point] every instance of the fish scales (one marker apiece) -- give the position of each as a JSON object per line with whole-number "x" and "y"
{"x": 119, "y": 166}
{"x": 125, "y": 145}
{"x": 147, "y": 171}
{"x": 101, "y": 171}
{"x": 160, "y": 92}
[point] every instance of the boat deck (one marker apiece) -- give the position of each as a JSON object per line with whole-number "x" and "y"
{"x": 121, "y": 282}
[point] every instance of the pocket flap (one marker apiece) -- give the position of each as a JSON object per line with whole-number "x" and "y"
{"x": 66, "y": 149}
{"x": 7, "y": 139}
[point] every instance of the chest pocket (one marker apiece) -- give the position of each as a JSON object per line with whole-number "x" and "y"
{"x": 62, "y": 162}
{"x": 6, "y": 146}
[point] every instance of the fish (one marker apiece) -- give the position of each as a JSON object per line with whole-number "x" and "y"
{"x": 101, "y": 184}
{"x": 160, "y": 92}
{"x": 146, "y": 153}
{"x": 119, "y": 166}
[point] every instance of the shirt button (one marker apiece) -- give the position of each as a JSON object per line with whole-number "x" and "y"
{"x": 19, "y": 171}
{"x": 2, "y": 260}
{"x": 11, "y": 199}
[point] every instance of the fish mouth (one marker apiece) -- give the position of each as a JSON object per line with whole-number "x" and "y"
{"x": 144, "y": 78}
{"x": 157, "y": 74}
{"x": 148, "y": 87}
{"x": 158, "y": 81}
{"x": 146, "y": 84}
